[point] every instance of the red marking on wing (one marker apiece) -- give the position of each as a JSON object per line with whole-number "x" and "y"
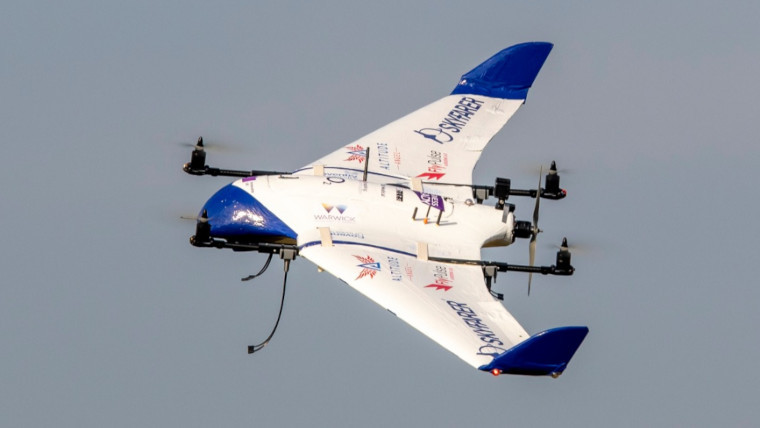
{"x": 432, "y": 175}
{"x": 439, "y": 287}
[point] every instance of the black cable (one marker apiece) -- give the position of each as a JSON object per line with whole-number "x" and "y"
{"x": 264, "y": 268}
{"x": 254, "y": 348}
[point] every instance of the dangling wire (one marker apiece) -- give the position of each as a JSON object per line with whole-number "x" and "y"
{"x": 264, "y": 268}
{"x": 254, "y": 348}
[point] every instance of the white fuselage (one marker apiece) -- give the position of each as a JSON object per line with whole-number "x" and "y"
{"x": 380, "y": 215}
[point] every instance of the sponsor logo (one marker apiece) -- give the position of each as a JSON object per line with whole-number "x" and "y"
{"x": 434, "y": 201}
{"x": 443, "y": 277}
{"x": 340, "y": 234}
{"x": 431, "y": 175}
{"x": 333, "y": 180}
{"x": 369, "y": 267}
{"x": 454, "y": 122}
{"x": 409, "y": 272}
{"x": 335, "y": 213}
{"x": 439, "y": 287}
{"x": 437, "y": 164}
{"x": 491, "y": 351}
{"x": 335, "y": 177}
{"x": 395, "y": 267}
{"x": 383, "y": 156}
{"x": 478, "y": 326}
{"x": 436, "y": 134}
{"x": 329, "y": 208}
{"x": 249, "y": 183}
{"x": 356, "y": 153}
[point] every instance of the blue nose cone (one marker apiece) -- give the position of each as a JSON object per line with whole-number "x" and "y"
{"x": 237, "y": 216}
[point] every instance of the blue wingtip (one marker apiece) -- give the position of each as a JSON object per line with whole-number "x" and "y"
{"x": 545, "y": 353}
{"x": 508, "y": 74}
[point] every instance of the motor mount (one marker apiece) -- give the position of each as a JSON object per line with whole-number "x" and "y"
{"x": 563, "y": 258}
{"x": 552, "y": 189}
{"x": 523, "y": 229}
{"x": 203, "y": 229}
{"x": 501, "y": 191}
{"x": 197, "y": 165}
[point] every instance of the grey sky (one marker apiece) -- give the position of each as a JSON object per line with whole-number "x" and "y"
{"x": 108, "y": 317}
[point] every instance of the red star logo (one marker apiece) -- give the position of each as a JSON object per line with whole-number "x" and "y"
{"x": 369, "y": 267}
{"x": 357, "y": 153}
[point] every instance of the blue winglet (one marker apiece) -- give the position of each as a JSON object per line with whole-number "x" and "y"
{"x": 508, "y": 74}
{"x": 545, "y": 353}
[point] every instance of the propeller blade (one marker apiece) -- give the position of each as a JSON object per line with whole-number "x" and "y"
{"x": 577, "y": 247}
{"x": 532, "y": 249}
{"x": 199, "y": 145}
{"x": 538, "y": 200}
{"x": 535, "y": 231}
{"x": 213, "y": 146}
{"x": 531, "y": 169}
{"x": 194, "y": 218}
{"x": 203, "y": 218}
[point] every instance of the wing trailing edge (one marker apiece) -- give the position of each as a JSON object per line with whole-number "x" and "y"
{"x": 508, "y": 74}
{"x": 545, "y": 353}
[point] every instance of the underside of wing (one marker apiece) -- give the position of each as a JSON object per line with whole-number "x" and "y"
{"x": 442, "y": 142}
{"x": 448, "y": 303}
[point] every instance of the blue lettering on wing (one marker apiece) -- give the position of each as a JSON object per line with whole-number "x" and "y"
{"x": 341, "y": 234}
{"x": 383, "y": 156}
{"x": 454, "y": 122}
{"x": 395, "y": 268}
{"x": 474, "y": 322}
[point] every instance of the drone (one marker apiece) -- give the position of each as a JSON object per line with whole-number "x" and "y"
{"x": 396, "y": 216}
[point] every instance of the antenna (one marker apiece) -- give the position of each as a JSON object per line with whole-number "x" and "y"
{"x": 366, "y": 164}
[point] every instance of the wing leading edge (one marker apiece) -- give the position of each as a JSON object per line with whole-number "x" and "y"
{"x": 442, "y": 142}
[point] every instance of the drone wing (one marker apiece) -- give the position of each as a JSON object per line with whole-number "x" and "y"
{"x": 451, "y": 305}
{"x": 442, "y": 142}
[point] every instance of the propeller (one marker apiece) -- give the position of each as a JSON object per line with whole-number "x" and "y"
{"x": 563, "y": 258}
{"x": 532, "y": 169}
{"x": 534, "y": 231}
{"x": 209, "y": 147}
{"x": 202, "y": 228}
{"x": 199, "y": 145}
{"x": 202, "y": 217}
{"x": 194, "y": 218}
{"x": 576, "y": 247}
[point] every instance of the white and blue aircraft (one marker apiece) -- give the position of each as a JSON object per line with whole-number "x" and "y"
{"x": 395, "y": 215}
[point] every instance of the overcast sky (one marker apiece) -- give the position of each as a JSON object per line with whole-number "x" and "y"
{"x": 108, "y": 317}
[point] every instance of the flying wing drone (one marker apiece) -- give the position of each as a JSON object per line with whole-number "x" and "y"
{"x": 396, "y": 216}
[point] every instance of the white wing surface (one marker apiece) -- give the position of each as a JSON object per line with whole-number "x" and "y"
{"x": 448, "y": 303}
{"x": 439, "y": 145}
{"x": 442, "y": 142}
